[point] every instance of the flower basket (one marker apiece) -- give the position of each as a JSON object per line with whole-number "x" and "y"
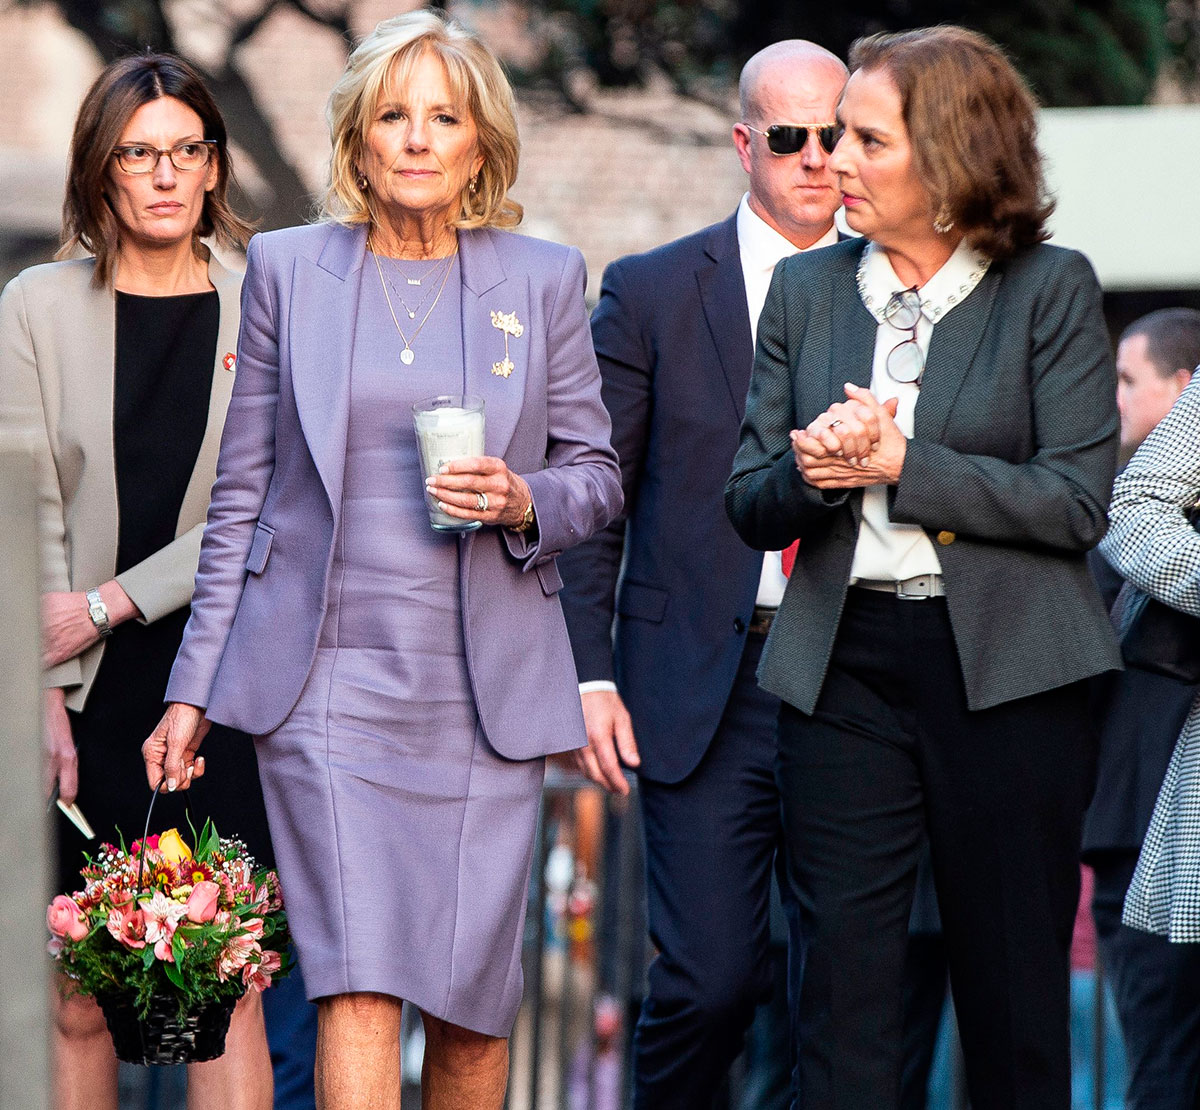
{"x": 161, "y": 1036}
{"x": 167, "y": 938}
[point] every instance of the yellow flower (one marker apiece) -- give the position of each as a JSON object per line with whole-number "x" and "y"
{"x": 172, "y": 847}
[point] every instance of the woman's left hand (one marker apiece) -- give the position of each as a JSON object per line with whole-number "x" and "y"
{"x": 881, "y": 466}
{"x": 67, "y": 629}
{"x": 482, "y": 489}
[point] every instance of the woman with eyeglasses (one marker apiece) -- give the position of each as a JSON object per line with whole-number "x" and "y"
{"x": 932, "y": 414}
{"x": 119, "y": 367}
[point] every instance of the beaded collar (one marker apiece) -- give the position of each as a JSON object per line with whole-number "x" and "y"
{"x": 951, "y": 285}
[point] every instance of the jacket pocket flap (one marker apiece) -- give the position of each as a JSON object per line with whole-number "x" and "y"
{"x": 647, "y": 603}
{"x": 260, "y": 548}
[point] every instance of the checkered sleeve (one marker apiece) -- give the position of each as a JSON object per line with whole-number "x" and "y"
{"x": 1152, "y": 544}
{"x": 1150, "y": 541}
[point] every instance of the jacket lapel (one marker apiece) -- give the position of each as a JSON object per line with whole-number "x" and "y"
{"x": 952, "y": 349}
{"x": 486, "y": 288}
{"x": 90, "y": 368}
{"x": 325, "y": 298}
{"x": 853, "y": 328}
{"x": 195, "y": 500}
{"x": 723, "y": 298}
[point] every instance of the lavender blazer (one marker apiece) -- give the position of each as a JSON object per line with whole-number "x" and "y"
{"x": 264, "y": 562}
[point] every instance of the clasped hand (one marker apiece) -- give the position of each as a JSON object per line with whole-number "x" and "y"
{"x": 457, "y": 487}
{"x": 853, "y": 443}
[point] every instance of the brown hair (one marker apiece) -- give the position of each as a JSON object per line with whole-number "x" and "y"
{"x": 120, "y": 90}
{"x": 1172, "y": 339}
{"x": 972, "y": 123}
{"x": 476, "y": 80}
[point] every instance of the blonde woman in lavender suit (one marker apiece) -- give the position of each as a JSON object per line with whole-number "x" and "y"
{"x": 404, "y": 685}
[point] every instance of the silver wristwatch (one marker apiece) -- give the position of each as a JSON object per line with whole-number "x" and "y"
{"x": 98, "y": 611}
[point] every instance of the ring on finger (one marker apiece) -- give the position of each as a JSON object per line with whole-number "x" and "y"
{"x": 481, "y": 502}
{"x": 834, "y": 423}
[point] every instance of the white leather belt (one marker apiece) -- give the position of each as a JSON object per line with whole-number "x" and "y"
{"x": 917, "y": 588}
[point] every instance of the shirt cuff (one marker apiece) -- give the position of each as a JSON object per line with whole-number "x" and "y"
{"x": 596, "y": 685}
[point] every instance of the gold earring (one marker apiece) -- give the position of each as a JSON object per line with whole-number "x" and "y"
{"x": 474, "y": 183}
{"x": 360, "y": 179}
{"x": 943, "y": 222}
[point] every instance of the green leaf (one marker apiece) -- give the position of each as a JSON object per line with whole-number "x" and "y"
{"x": 174, "y": 975}
{"x": 147, "y": 956}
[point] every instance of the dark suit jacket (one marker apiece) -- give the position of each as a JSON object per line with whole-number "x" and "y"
{"x": 1009, "y": 470}
{"x": 672, "y": 334}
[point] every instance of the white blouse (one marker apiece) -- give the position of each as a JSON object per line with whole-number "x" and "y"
{"x": 887, "y": 551}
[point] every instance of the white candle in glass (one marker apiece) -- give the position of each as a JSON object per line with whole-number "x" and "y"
{"x": 448, "y": 428}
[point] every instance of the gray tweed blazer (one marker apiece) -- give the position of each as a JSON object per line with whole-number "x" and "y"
{"x": 1009, "y": 470}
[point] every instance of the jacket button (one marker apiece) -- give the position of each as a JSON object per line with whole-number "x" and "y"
{"x": 739, "y": 625}
{"x": 946, "y": 538}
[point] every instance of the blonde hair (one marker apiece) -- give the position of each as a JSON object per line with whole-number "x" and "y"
{"x": 476, "y": 80}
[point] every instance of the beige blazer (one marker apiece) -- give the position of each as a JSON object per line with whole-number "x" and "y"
{"x": 57, "y": 345}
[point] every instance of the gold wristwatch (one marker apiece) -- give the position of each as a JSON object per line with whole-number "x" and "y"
{"x": 526, "y": 520}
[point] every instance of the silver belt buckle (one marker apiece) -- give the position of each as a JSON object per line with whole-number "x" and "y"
{"x": 920, "y": 587}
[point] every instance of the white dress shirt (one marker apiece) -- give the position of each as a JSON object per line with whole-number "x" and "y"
{"x": 887, "y": 551}
{"x": 761, "y": 247}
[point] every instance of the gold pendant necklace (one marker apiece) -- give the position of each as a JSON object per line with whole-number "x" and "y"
{"x": 406, "y": 355}
{"x": 412, "y": 312}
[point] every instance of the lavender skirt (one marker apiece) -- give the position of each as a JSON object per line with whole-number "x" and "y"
{"x": 404, "y": 855}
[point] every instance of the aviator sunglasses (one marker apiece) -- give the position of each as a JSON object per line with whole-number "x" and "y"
{"x": 784, "y": 138}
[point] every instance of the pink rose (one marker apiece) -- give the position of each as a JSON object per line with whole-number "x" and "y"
{"x": 65, "y": 919}
{"x": 202, "y": 902}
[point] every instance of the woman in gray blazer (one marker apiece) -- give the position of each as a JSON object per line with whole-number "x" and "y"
{"x": 119, "y": 367}
{"x": 932, "y": 415}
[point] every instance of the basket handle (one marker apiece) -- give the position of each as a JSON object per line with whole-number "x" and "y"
{"x": 146, "y": 831}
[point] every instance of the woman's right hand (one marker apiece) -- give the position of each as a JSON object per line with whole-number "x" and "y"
{"x": 170, "y": 750}
{"x": 61, "y": 764}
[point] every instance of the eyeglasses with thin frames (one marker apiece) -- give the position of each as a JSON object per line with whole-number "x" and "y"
{"x": 185, "y": 157}
{"x": 905, "y": 362}
{"x": 784, "y": 138}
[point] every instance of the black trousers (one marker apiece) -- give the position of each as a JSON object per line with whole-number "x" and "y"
{"x": 1157, "y": 989}
{"x": 711, "y": 844}
{"x": 892, "y": 752}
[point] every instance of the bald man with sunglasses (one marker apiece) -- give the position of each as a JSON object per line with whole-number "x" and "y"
{"x": 667, "y": 649}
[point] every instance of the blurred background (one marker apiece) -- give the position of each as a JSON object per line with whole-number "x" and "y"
{"x": 625, "y": 111}
{"x": 626, "y": 107}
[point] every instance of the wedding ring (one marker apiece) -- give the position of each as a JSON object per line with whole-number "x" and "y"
{"x": 481, "y": 502}
{"x": 835, "y": 423}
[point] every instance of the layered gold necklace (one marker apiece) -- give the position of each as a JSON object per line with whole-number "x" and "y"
{"x": 406, "y": 354}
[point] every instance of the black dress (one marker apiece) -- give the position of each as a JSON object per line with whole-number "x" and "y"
{"x": 166, "y": 349}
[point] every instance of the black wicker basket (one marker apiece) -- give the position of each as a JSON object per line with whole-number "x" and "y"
{"x": 160, "y": 1037}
